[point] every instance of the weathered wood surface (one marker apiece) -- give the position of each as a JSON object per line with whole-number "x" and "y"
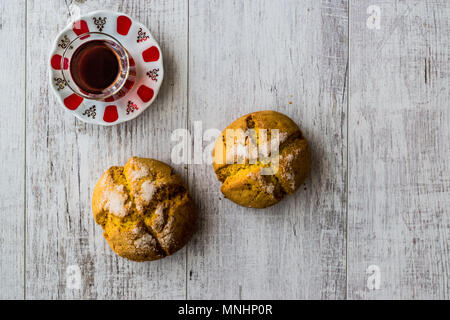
{"x": 12, "y": 148}
{"x": 378, "y": 193}
{"x": 65, "y": 158}
{"x": 257, "y": 55}
{"x": 399, "y": 150}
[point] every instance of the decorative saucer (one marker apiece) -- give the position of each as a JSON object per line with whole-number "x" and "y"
{"x": 143, "y": 51}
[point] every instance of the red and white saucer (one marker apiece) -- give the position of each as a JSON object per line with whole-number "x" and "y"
{"x": 144, "y": 52}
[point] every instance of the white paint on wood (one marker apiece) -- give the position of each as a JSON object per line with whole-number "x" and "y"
{"x": 224, "y": 59}
{"x": 66, "y": 157}
{"x": 12, "y": 148}
{"x": 399, "y": 147}
{"x": 256, "y": 55}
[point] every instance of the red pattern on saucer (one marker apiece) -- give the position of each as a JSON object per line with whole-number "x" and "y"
{"x": 56, "y": 62}
{"x": 110, "y": 114}
{"x": 123, "y": 25}
{"x": 151, "y": 54}
{"x": 73, "y": 101}
{"x": 80, "y": 27}
{"x": 144, "y": 52}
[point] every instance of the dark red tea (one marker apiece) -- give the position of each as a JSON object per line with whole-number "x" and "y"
{"x": 95, "y": 66}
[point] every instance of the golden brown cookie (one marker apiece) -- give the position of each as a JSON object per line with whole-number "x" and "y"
{"x": 244, "y": 180}
{"x": 144, "y": 209}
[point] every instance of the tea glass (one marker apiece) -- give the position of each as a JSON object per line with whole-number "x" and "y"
{"x": 127, "y": 70}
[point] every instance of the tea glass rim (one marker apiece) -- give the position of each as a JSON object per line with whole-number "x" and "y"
{"x": 78, "y": 91}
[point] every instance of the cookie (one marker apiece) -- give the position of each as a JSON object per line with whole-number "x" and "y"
{"x": 144, "y": 208}
{"x": 260, "y": 183}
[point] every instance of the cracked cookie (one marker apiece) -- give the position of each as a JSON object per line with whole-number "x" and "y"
{"x": 144, "y": 208}
{"x": 247, "y": 180}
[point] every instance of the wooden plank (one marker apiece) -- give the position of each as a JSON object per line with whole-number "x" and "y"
{"x": 399, "y": 146}
{"x": 66, "y": 157}
{"x": 12, "y": 148}
{"x": 246, "y": 56}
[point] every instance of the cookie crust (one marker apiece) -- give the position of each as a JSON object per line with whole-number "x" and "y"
{"x": 144, "y": 208}
{"x": 243, "y": 182}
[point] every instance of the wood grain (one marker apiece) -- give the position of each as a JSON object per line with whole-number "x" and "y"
{"x": 379, "y": 190}
{"x": 12, "y": 148}
{"x": 66, "y": 157}
{"x": 246, "y": 56}
{"x": 399, "y": 173}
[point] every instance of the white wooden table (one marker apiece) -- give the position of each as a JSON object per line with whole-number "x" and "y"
{"x": 367, "y": 80}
